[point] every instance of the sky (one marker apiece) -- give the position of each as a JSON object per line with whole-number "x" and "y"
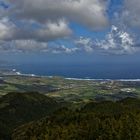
{"x": 70, "y": 27}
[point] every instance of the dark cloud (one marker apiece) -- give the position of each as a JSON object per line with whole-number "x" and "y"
{"x": 49, "y": 31}
{"x": 131, "y": 12}
{"x": 88, "y": 12}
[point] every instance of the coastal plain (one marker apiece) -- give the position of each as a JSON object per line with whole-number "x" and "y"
{"x": 70, "y": 90}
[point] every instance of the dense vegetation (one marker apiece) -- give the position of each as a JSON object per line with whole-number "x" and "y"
{"x": 34, "y": 116}
{"x": 19, "y": 108}
{"x": 95, "y": 121}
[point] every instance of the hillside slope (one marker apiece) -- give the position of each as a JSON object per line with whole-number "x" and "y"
{"x": 96, "y": 121}
{"x": 19, "y": 108}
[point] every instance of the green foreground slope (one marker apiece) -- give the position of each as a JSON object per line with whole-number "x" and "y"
{"x": 96, "y": 121}
{"x": 19, "y": 108}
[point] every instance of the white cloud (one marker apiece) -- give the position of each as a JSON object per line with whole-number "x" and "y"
{"x": 59, "y": 49}
{"x": 116, "y": 41}
{"x": 6, "y": 29}
{"x": 85, "y": 44}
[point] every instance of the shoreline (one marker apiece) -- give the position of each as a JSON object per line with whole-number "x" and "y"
{"x": 15, "y": 72}
{"x": 123, "y": 80}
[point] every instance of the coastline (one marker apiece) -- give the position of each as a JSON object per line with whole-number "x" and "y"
{"x": 15, "y": 72}
{"x": 122, "y": 80}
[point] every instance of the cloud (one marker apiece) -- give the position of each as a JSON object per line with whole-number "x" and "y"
{"x": 116, "y": 41}
{"x": 47, "y": 32}
{"x": 22, "y": 46}
{"x": 52, "y": 18}
{"x": 27, "y": 46}
{"x": 7, "y": 29}
{"x": 52, "y": 30}
{"x": 29, "y": 25}
{"x": 91, "y": 13}
{"x": 59, "y": 49}
{"x": 131, "y": 12}
{"x": 85, "y": 44}
{"x": 34, "y": 22}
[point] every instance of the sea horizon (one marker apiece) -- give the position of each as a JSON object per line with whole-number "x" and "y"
{"x": 103, "y": 72}
{"x": 20, "y": 73}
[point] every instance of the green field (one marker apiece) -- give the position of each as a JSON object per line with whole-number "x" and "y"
{"x": 75, "y": 91}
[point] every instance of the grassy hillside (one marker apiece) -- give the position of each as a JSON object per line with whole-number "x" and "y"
{"x": 19, "y": 108}
{"x": 96, "y": 121}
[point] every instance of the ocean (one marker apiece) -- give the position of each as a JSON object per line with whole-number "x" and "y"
{"x": 83, "y": 71}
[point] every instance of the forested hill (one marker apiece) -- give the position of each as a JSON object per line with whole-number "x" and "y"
{"x": 96, "y": 121}
{"x": 19, "y": 108}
